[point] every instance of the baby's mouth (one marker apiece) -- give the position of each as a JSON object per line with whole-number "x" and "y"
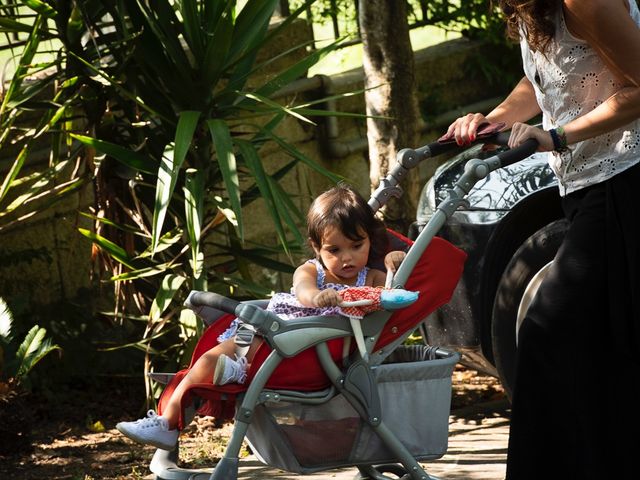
{"x": 347, "y": 268}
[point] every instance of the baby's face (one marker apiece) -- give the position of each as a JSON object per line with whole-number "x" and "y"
{"x": 343, "y": 257}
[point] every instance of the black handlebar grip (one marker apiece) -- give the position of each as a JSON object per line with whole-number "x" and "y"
{"x": 214, "y": 300}
{"x": 501, "y": 138}
{"x": 438, "y": 148}
{"x": 516, "y": 154}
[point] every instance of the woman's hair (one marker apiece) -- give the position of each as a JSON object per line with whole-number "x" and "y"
{"x": 343, "y": 208}
{"x": 534, "y": 18}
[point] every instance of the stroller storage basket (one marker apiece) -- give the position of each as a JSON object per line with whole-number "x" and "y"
{"x": 414, "y": 385}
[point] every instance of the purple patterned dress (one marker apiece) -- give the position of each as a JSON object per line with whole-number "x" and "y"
{"x": 287, "y": 306}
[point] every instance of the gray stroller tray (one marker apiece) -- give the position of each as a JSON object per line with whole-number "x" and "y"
{"x": 415, "y": 392}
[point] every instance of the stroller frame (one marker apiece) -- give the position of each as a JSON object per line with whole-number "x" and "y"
{"x": 287, "y": 338}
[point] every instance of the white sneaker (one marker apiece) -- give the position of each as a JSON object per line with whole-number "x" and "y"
{"x": 229, "y": 370}
{"x": 152, "y": 430}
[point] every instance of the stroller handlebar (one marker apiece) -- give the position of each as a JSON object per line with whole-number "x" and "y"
{"x": 507, "y": 157}
{"x": 197, "y": 299}
{"x": 516, "y": 154}
{"x": 408, "y": 158}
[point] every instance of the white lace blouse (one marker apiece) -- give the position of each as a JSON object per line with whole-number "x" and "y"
{"x": 569, "y": 82}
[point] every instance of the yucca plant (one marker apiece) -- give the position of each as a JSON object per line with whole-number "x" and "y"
{"x": 167, "y": 99}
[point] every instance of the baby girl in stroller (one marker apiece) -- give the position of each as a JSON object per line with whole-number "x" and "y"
{"x": 346, "y": 239}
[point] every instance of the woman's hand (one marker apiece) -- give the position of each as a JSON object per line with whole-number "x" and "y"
{"x": 392, "y": 260}
{"x": 464, "y": 129}
{"x": 327, "y": 298}
{"x": 520, "y": 132}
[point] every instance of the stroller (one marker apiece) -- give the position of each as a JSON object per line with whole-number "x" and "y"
{"x": 313, "y": 399}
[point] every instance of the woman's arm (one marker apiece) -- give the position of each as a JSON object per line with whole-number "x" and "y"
{"x": 608, "y": 27}
{"x": 519, "y": 106}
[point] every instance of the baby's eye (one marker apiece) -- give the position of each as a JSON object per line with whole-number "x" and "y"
{"x": 332, "y": 250}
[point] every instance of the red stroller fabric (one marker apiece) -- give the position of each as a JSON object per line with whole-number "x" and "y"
{"x": 435, "y": 276}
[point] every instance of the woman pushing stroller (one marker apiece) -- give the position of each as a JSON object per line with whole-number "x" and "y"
{"x": 346, "y": 238}
{"x": 582, "y": 72}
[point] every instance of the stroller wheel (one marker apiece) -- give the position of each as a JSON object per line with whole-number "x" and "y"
{"x": 378, "y": 472}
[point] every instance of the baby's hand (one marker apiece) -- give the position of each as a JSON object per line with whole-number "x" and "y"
{"x": 393, "y": 260}
{"x": 327, "y": 298}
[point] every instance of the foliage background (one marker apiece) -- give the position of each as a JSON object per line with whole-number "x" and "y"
{"x": 163, "y": 114}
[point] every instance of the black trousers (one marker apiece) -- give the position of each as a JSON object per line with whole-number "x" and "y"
{"x": 575, "y": 399}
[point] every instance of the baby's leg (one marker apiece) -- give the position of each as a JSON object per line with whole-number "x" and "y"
{"x": 201, "y": 372}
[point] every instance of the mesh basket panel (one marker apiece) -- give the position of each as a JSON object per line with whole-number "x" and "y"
{"x": 415, "y": 394}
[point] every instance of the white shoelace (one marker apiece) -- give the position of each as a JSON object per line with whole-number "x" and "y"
{"x": 242, "y": 363}
{"x": 152, "y": 420}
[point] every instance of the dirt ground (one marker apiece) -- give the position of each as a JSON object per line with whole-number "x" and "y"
{"x": 76, "y": 439}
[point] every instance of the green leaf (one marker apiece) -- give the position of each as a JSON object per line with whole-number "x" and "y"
{"x": 123, "y": 91}
{"x": 190, "y": 324}
{"x": 41, "y": 7}
{"x": 13, "y": 171}
{"x": 142, "y": 273}
{"x": 9, "y": 25}
{"x": 35, "y": 183}
{"x": 187, "y": 123}
{"x": 30, "y": 90}
{"x": 263, "y": 258}
{"x": 125, "y": 228}
{"x": 166, "y": 28}
{"x": 255, "y": 288}
{"x": 172, "y": 237}
{"x": 252, "y": 161}
{"x": 286, "y": 206}
{"x": 32, "y": 349}
{"x": 169, "y": 170}
{"x": 192, "y": 28}
{"x": 127, "y": 157}
{"x": 218, "y": 44}
{"x": 227, "y": 163}
{"x": 295, "y": 153}
{"x": 276, "y": 106}
{"x": 194, "y": 193}
{"x": 170, "y": 285}
{"x": 250, "y": 27}
{"x": 108, "y": 246}
{"x": 26, "y": 59}
{"x": 294, "y": 72}
{"x": 6, "y": 321}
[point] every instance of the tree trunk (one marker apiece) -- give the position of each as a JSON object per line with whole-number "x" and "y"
{"x": 391, "y": 92}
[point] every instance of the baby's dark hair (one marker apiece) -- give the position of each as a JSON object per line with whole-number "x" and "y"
{"x": 345, "y": 209}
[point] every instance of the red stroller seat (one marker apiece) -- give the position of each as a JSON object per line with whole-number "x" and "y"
{"x": 434, "y": 276}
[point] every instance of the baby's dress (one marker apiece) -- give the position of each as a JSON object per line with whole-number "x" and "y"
{"x": 287, "y": 306}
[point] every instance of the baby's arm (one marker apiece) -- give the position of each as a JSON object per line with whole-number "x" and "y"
{"x": 393, "y": 259}
{"x": 307, "y": 291}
